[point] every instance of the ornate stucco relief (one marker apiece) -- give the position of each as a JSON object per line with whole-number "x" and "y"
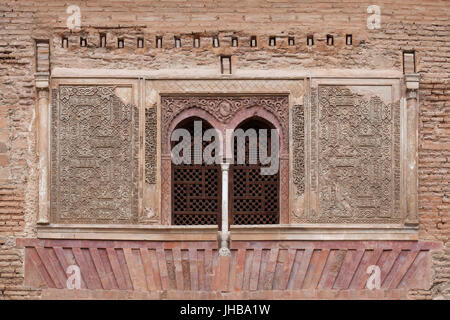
{"x": 293, "y": 89}
{"x": 298, "y": 138}
{"x": 355, "y": 158}
{"x": 94, "y": 157}
{"x": 227, "y": 112}
{"x": 223, "y": 109}
{"x": 150, "y": 145}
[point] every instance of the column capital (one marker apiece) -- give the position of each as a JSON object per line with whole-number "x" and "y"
{"x": 43, "y": 93}
{"x": 411, "y": 94}
{"x": 42, "y": 80}
{"x": 225, "y": 166}
{"x": 412, "y": 81}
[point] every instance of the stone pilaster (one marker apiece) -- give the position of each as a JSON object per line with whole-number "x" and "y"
{"x": 412, "y": 111}
{"x": 42, "y": 79}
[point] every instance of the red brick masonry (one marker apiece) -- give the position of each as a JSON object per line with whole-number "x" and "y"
{"x": 262, "y": 269}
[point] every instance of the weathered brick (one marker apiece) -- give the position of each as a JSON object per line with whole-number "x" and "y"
{"x": 405, "y": 25}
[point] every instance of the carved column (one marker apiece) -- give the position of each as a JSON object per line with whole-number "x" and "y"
{"x": 224, "y": 235}
{"x": 412, "y": 111}
{"x": 42, "y": 77}
{"x": 42, "y": 81}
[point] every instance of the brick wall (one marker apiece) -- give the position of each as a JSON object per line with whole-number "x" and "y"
{"x": 17, "y": 157}
{"x": 11, "y": 259}
{"x": 405, "y": 25}
{"x": 434, "y": 174}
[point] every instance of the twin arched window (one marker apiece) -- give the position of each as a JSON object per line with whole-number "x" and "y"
{"x": 197, "y": 187}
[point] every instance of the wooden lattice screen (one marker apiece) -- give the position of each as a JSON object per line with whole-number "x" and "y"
{"x": 254, "y": 198}
{"x": 196, "y": 188}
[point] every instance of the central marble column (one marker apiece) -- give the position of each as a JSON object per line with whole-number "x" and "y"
{"x": 224, "y": 234}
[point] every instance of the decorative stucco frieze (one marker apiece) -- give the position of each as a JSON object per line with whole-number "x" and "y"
{"x": 223, "y": 109}
{"x": 298, "y": 141}
{"x": 150, "y": 145}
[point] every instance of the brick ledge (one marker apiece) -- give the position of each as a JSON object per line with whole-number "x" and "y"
{"x": 209, "y": 233}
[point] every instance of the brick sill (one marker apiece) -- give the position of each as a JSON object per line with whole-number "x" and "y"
{"x": 209, "y": 233}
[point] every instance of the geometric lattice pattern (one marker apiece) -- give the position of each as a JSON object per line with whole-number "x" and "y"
{"x": 196, "y": 193}
{"x": 254, "y": 198}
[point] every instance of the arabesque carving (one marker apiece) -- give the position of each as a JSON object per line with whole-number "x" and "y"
{"x": 298, "y": 138}
{"x": 224, "y": 108}
{"x": 355, "y": 158}
{"x": 94, "y": 156}
{"x": 150, "y": 145}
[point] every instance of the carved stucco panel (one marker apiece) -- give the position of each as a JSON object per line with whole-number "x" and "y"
{"x": 151, "y": 198}
{"x": 350, "y": 178}
{"x": 94, "y": 156}
{"x": 150, "y": 145}
{"x": 355, "y": 158}
{"x": 298, "y": 138}
{"x": 299, "y": 197}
